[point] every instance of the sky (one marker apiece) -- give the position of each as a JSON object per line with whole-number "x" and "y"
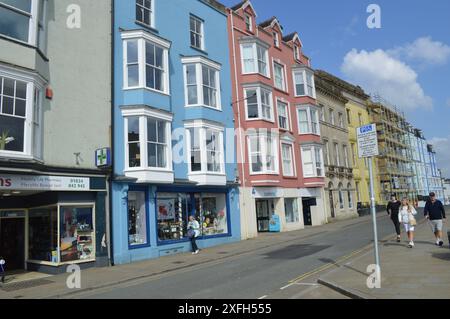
{"x": 407, "y": 60}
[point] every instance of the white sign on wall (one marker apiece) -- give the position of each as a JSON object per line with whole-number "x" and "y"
{"x": 44, "y": 183}
{"x": 367, "y": 141}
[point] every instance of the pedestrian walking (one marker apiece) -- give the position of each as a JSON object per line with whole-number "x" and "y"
{"x": 2, "y": 269}
{"x": 406, "y": 217}
{"x": 392, "y": 209}
{"x": 193, "y": 233}
{"x": 434, "y": 211}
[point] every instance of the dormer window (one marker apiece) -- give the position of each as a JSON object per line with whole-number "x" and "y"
{"x": 296, "y": 52}
{"x": 276, "y": 40}
{"x": 248, "y": 23}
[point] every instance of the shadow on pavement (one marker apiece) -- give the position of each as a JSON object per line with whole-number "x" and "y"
{"x": 296, "y": 251}
{"x": 442, "y": 256}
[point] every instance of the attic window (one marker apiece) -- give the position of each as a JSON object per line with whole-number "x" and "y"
{"x": 296, "y": 52}
{"x": 248, "y": 23}
{"x": 276, "y": 39}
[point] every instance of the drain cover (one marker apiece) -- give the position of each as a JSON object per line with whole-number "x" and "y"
{"x": 25, "y": 284}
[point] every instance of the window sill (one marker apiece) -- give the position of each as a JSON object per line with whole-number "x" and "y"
{"x": 260, "y": 74}
{"x": 199, "y": 50}
{"x": 309, "y": 133}
{"x": 260, "y": 119}
{"x": 145, "y": 88}
{"x": 150, "y": 175}
{"x": 284, "y": 91}
{"x": 18, "y": 155}
{"x": 148, "y": 27}
{"x": 264, "y": 173}
{"x": 218, "y": 109}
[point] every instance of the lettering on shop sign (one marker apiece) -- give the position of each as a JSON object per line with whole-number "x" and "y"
{"x": 5, "y": 182}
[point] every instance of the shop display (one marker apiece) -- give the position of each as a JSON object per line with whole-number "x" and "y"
{"x": 76, "y": 234}
{"x": 137, "y": 219}
{"x": 43, "y": 234}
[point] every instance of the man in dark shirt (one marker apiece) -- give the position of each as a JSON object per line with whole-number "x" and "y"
{"x": 434, "y": 211}
{"x": 392, "y": 209}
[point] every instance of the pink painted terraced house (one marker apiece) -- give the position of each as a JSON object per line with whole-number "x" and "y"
{"x": 279, "y": 149}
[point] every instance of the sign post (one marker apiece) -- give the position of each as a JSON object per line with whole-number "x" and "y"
{"x": 368, "y": 148}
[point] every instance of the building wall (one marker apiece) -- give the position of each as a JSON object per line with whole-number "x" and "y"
{"x": 339, "y": 174}
{"x": 80, "y": 77}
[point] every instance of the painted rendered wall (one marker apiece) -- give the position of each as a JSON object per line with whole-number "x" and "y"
{"x": 77, "y": 119}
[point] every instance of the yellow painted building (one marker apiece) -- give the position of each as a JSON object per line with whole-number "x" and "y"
{"x": 357, "y": 109}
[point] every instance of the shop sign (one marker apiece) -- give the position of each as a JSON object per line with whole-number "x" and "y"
{"x": 103, "y": 157}
{"x": 44, "y": 183}
{"x": 267, "y": 192}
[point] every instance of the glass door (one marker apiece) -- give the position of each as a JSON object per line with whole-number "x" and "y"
{"x": 263, "y": 209}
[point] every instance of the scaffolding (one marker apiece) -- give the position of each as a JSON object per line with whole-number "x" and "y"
{"x": 395, "y": 162}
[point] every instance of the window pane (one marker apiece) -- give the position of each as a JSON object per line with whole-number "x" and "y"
{"x": 137, "y": 219}
{"x": 249, "y": 59}
{"x": 191, "y": 74}
{"x": 132, "y": 51}
{"x": 192, "y": 95}
{"x": 159, "y": 80}
{"x": 159, "y": 54}
{"x": 173, "y": 210}
{"x": 20, "y": 107}
{"x": 8, "y": 105}
{"x": 77, "y": 233}
{"x": 162, "y": 132}
{"x": 24, "y": 5}
{"x": 133, "y": 75}
{"x": 14, "y": 25}
{"x": 291, "y": 209}
{"x": 8, "y": 87}
{"x": 133, "y": 142}
{"x": 196, "y": 161}
{"x": 252, "y": 103}
{"x": 150, "y": 77}
{"x": 11, "y": 133}
{"x": 149, "y": 53}
{"x": 151, "y": 130}
{"x": 303, "y": 121}
{"x": 43, "y": 234}
{"x": 21, "y": 90}
{"x": 211, "y": 212}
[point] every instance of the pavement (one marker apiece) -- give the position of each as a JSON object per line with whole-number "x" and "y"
{"x": 422, "y": 272}
{"x": 275, "y": 265}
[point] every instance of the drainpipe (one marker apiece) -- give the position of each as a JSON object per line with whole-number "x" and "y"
{"x": 109, "y": 227}
{"x": 238, "y": 103}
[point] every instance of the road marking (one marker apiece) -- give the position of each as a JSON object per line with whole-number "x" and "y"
{"x": 263, "y": 297}
{"x": 326, "y": 266}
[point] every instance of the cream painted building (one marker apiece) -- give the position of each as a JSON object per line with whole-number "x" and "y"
{"x": 340, "y": 191}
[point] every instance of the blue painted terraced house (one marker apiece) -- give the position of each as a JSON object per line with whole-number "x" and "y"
{"x": 173, "y": 154}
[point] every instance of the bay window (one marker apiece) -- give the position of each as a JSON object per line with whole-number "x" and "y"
{"x": 283, "y": 115}
{"x": 19, "y": 19}
{"x": 312, "y": 161}
{"x": 205, "y": 152}
{"x": 20, "y": 115}
{"x": 304, "y": 82}
{"x": 202, "y": 82}
{"x": 255, "y": 58}
{"x": 278, "y": 71}
{"x": 145, "y": 61}
{"x": 308, "y": 119}
{"x": 288, "y": 159}
{"x": 148, "y": 143}
{"x": 259, "y": 104}
{"x": 263, "y": 153}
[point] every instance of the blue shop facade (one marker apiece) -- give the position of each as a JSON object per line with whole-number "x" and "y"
{"x": 173, "y": 152}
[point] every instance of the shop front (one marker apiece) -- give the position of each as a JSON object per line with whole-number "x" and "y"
{"x": 50, "y": 221}
{"x": 151, "y": 221}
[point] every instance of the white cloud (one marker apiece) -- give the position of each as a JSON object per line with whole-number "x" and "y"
{"x": 379, "y": 72}
{"x": 442, "y": 148}
{"x": 424, "y": 50}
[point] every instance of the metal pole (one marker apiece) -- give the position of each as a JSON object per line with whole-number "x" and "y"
{"x": 374, "y": 214}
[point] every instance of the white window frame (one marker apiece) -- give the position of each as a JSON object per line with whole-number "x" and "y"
{"x": 292, "y": 159}
{"x": 288, "y": 114}
{"x": 312, "y": 148}
{"x": 33, "y": 22}
{"x": 304, "y": 72}
{"x": 199, "y": 62}
{"x": 259, "y": 90}
{"x": 263, "y": 136}
{"x": 152, "y": 14}
{"x": 345, "y": 151}
{"x": 143, "y": 113}
{"x": 142, "y": 37}
{"x": 276, "y": 39}
{"x": 337, "y": 158}
{"x": 256, "y": 69}
{"x": 309, "y": 108}
{"x": 201, "y": 34}
{"x": 203, "y": 126}
{"x": 283, "y": 75}
{"x": 296, "y": 52}
{"x": 33, "y": 83}
{"x": 248, "y": 23}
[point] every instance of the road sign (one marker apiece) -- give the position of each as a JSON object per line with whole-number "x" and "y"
{"x": 367, "y": 141}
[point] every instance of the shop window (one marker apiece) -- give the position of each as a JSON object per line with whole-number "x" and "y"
{"x": 210, "y": 212}
{"x": 43, "y": 234}
{"x": 173, "y": 211}
{"x": 291, "y": 210}
{"x": 77, "y": 233}
{"x": 137, "y": 219}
